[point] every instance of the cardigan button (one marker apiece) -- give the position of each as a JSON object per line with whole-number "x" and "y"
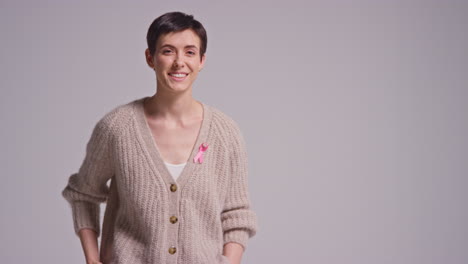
{"x": 173, "y": 187}
{"x": 172, "y": 250}
{"x": 173, "y": 219}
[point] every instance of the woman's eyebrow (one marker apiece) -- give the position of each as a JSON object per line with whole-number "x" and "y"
{"x": 187, "y": 47}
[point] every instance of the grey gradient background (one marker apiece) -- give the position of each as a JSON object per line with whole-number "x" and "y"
{"x": 355, "y": 116}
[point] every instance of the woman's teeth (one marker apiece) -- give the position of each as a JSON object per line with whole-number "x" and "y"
{"x": 180, "y": 75}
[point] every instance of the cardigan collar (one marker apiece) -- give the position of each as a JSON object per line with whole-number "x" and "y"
{"x": 149, "y": 143}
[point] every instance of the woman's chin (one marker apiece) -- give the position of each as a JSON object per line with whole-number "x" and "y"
{"x": 179, "y": 88}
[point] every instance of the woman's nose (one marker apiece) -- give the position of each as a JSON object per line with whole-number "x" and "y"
{"x": 178, "y": 62}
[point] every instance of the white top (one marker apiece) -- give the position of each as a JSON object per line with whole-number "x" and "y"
{"x": 175, "y": 169}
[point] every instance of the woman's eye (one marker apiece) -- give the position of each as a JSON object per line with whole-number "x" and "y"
{"x": 167, "y": 51}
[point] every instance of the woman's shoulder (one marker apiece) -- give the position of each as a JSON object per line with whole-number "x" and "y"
{"x": 224, "y": 122}
{"x": 223, "y": 118}
{"x": 118, "y": 116}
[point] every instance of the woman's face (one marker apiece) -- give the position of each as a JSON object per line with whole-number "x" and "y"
{"x": 176, "y": 60}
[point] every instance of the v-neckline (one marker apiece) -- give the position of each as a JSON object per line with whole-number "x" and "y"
{"x": 150, "y": 144}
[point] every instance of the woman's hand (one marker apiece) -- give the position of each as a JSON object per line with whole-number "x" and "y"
{"x": 94, "y": 262}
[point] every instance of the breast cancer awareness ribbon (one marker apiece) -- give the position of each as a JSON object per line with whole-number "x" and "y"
{"x": 199, "y": 157}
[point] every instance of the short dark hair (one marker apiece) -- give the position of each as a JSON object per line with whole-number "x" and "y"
{"x": 175, "y": 22}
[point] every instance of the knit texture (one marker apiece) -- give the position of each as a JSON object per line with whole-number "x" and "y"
{"x": 149, "y": 216}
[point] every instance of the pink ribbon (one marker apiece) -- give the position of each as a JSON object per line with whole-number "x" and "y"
{"x": 201, "y": 150}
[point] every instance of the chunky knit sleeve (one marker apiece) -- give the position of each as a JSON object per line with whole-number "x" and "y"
{"x": 87, "y": 188}
{"x": 239, "y": 221}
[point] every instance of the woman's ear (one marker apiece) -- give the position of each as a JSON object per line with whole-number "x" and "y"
{"x": 149, "y": 59}
{"x": 202, "y": 63}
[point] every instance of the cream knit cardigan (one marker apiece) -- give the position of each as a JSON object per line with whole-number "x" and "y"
{"x": 149, "y": 217}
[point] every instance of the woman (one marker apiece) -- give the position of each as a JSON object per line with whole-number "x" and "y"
{"x": 177, "y": 167}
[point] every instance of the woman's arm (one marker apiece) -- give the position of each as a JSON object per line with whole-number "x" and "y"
{"x": 87, "y": 188}
{"x": 233, "y": 251}
{"x": 89, "y": 243}
{"x": 238, "y": 220}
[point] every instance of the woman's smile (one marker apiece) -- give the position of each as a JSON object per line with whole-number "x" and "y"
{"x": 178, "y": 76}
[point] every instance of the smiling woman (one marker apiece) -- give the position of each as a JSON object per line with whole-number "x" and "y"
{"x": 177, "y": 167}
{"x": 177, "y": 60}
